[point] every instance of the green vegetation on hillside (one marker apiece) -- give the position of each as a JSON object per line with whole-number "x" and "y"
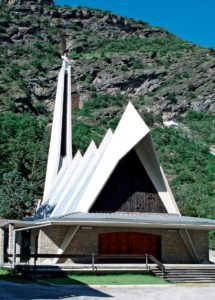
{"x": 156, "y": 45}
{"x": 23, "y": 151}
{"x": 191, "y": 171}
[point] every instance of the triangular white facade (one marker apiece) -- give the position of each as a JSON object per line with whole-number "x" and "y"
{"x": 75, "y": 186}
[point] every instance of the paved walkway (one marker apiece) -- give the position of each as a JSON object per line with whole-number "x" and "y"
{"x": 12, "y": 291}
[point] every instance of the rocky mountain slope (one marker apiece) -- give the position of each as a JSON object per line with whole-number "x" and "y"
{"x": 114, "y": 60}
{"x": 112, "y": 55}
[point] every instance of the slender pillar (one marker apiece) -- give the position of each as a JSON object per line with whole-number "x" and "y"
{"x": 60, "y": 148}
{"x": 34, "y": 246}
{"x": 10, "y": 239}
{"x": 18, "y": 245}
{"x": 1, "y": 247}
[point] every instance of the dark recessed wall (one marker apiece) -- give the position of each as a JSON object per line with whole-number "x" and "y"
{"x": 129, "y": 189}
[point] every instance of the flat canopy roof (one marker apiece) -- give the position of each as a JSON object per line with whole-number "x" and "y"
{"x": 143, "y": 220}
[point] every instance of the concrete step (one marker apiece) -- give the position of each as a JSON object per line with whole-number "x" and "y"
{"x": 191, "y": 280}
{"x": 196, "y": 281}
{"x": 188, "y": 275}
{"x": 186, "y": 271}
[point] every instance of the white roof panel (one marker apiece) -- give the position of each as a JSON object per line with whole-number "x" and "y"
{"x": 86, "y": 178}
{"x": 74, "y": 179}
{"x": 63, "y": 177}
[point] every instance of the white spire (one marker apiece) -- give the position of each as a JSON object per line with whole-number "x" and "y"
{"x": 60, "y": 149}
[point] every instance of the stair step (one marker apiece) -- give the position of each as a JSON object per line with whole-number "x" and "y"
{"x": 187, "y": 275}
{"x": 190, "y": 277}
{"x": 176, "y": 276}
{"x": 189, "y": 280}
{"x": 186, "y": 272}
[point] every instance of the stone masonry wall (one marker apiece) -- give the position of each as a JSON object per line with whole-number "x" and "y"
{"x": 201, "y": 243}
{"x": 173, "y": 249}
{"x": 50, "y": 239}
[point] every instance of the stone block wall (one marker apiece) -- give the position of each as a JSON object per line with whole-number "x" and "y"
{"x": 50, "y": 238}
{"x": 85, "y": 242}
{"x": 201, "y": 243}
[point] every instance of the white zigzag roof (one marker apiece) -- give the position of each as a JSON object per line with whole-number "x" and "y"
{"x": 74, "y": 185}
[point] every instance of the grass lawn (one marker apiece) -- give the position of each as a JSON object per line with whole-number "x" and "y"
{"x": 7, "y": 275}
{"x": 105, "y": 279}
{"x": 4, "y": 272}
{"x": 85, "y": 279}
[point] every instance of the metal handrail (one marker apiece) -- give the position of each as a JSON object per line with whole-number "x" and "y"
{"x": 94, "y": 256}
{"x": 158, "y": 263}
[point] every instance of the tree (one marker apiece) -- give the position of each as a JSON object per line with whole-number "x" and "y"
{"x": 15, "y": 196}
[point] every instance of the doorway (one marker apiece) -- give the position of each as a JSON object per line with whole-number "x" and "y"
{"x": 129, "y": 243}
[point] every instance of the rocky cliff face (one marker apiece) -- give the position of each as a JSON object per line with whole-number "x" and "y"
{"x": 26, "y": 2}
{"x": 161, "y": 73}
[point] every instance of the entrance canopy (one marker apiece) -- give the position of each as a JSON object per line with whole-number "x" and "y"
{"x": 168, "y": 221}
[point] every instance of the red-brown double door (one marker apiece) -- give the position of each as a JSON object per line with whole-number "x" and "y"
{"x": 129, "y": 243}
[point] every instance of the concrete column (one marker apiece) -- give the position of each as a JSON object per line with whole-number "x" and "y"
{"x": 10, "y": 240}
{"x": 34, "y": 246}
{"x": 1, "y": 247}
{"x": 18, "y": 244}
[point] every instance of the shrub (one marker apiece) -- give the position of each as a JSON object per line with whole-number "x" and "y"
{"x": 37, "y": 63}
{"x": 45, "y": 47}
{"x": 100, "y": 101}
{"x": 172, "y": 97}
{"x": 74, "y": 55}
{"x": 83, "y": 134}
{"x": 137, "y": 64}
{"x": 15, "y": 196}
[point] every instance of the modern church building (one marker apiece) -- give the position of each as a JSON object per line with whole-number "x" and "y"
{"x": 113, "y": 200}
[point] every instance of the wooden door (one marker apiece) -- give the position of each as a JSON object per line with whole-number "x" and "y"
{"x": 129, "y": 243}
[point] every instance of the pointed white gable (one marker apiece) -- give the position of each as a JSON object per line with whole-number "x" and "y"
{"x": 131, "y": 133}
{"x": 130, "y": 130}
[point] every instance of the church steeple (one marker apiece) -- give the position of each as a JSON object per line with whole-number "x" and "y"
{"x": 60, "y": 149}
